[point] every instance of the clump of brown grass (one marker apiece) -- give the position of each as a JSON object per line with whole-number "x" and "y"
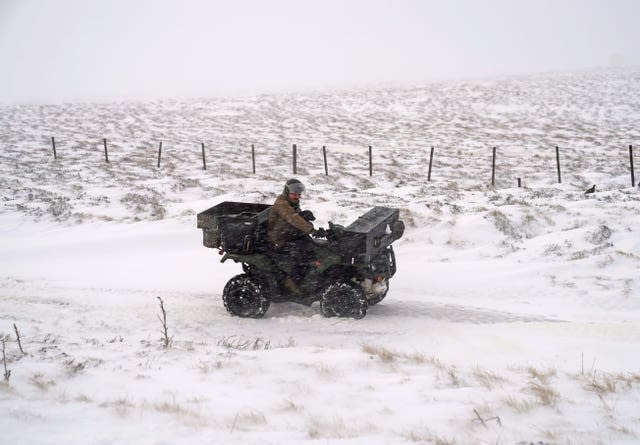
{"x": 519, "y": 405}
{"x": 606, "y": 383}
{"x": 424, "y": 435}
{"x": 40, "y": 382}
{"x": 121, "y": 405}
{"x": 335, "y": 428}
{"x": 541, "y": 376}
{"x": 388, "y": 356}
{"x": 544, "y": 394}
{"x": 82, "y": 398}
{"x": 488, "y": 379}
{"x": 417, "y": 357}
{"x": 177, "y": 410}
{"x": 450, "y": 371}
{"x": 384, "y": 354}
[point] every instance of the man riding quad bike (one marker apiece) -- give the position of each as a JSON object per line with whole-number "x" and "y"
{"x": 346, "y": 272}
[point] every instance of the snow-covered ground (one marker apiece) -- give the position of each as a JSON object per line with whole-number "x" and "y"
{"x": 514, "y": 317}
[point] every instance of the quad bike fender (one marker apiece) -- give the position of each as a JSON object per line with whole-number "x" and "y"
{"x": 383, "y": 265}
{"x": 261, "y": 262}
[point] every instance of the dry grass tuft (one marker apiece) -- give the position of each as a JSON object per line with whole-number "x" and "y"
{"x": 40, "y": 382}
{"x": 247, "y": 420}
{"x": 542, "y": 376}
{"x": 291, "y": 406}
{"x": 426, "y": 436}
{"x": 6, "y": 388}
{"x": 121, "y": 405}
{"x": 335, "y": 428}
{"x": 83, "y": 398}
{"x": 173, "y": 408}
{"x": 417, "y": 357}
{"x": 602, "y": 384}
{"x": 243, "y": 344}
{"x": 384, "y": 354}
{"x": 450, "y": 371}
{"x": 488, "y": 379}
{"x": 606, "y": 383}
{"x": 544, "y": 394}
{"x": 519, "y": 405}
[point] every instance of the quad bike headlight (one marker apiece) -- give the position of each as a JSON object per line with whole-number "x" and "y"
{"x": 397, "y": 229}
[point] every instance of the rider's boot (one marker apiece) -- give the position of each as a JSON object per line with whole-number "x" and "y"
{"x": 291, "y": 285}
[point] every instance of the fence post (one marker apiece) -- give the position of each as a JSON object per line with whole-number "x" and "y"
{"x": 558, "y": 164}
{"x": 370, "y": 161}
{"x": 106, "y": 154}
{"x": 253, "y": 158}
{"x": 295, "y": 159}
{"x": 633, "y": 178}
{"x": 204, "y": 160}
{"x": 324, "y": 155}
{"x": 493, "y": 168}
{"x": 53, "y": 142}
{"x": 519, "y": 183}
{"x": 159, "y": 153}
{"x": 430, "y": 163}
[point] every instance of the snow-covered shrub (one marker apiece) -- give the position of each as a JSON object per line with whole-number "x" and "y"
{"x": 503, "y": 224}
{"x": 600, "y": 235}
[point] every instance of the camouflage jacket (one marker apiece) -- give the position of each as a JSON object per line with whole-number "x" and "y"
{"x": 285, "y": 223}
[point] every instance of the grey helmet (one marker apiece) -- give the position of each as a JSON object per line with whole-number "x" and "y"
{"x": 293, "y": 186}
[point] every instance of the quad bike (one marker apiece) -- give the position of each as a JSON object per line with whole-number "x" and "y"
{"x": 348, "y": 272}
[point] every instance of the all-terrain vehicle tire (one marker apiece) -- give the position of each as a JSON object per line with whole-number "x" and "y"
{"x": 343, "y": 299}
{"x": 246, "y": 296}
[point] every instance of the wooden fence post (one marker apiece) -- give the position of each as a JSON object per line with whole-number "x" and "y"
{"x": 493, "y": 168}
{"x": 159, "y": 153}
{"x": 370, "y": 161}
{"x": 253, "y": 158}
{"x": 430, "y": 163}
{"x": 106, "y": 154}
{"x": 324, "y": 155}
{"x": 53, "y": 142}
{"x": 558, "y": 164}
{"x": 519, "y": 183}
{"x": 295, "y": 159}
{"x": 633, "y": 178}
{"x": 204, "y": 160}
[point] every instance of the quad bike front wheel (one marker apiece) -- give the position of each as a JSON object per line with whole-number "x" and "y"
{"x": 344, "y": 299}
{"x": 246, "y": 296}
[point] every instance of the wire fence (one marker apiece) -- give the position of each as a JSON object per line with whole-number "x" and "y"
{"x": 504, "y": 164}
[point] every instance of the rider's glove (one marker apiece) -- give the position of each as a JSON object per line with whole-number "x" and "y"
{"x": 319, "y": 233}
{"x": 308, "y": 215}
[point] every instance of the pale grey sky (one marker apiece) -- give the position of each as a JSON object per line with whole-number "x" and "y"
{"x": 52, "y": 50}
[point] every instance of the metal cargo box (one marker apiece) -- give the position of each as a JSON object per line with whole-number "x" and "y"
{"x": 371, "y": 233}
{"x": 236, "y": 227}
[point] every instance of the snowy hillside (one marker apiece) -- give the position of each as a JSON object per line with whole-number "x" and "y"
{"x": 514, "y": 317}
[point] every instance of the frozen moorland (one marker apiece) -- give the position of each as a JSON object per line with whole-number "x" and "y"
{"x": 514, "y": 317}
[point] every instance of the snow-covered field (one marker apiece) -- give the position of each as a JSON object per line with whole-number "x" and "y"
{"x": 514, "y": 317}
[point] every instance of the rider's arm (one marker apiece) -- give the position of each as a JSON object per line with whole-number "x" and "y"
{"x": 287, "y": 213}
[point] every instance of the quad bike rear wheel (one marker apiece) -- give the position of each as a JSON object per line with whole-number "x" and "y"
{"x": 246, "y": 296}
{"x": 344, "y": 299}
